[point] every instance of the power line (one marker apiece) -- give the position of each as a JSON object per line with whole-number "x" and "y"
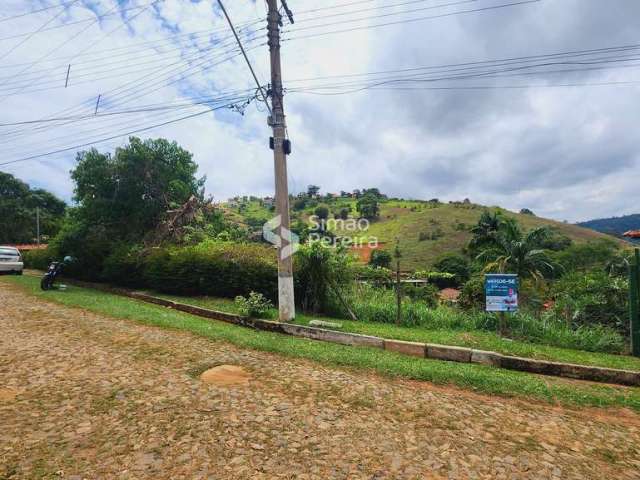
{"x": 372, "y": 17}
{"x": 134, "y": 94}
{"x": 246, "y": 58}
{"x": 124, "y": 23}
{"x": 478, "y": 63}
{"x": 32, "y": 34}
{"x": 409, "y": 20}
{"x": 121, "y": 134}
{"x": 470, "y": 87}
{"x": 70, "y": 24}
{"x": 19, "y": 87}
{"x": 141, "y": 109}
{"x": 153, "y": 43}
{"x": 61, "y": 45}
{"x": 135, "y": 90}
{"x": 65, "y": 5}
{"x": 113, "y": 91}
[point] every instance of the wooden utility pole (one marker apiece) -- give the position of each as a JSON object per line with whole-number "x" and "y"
{"x": 38, "y": 225}
{"x": 397, "y": 256}
{"x": 634, "y": 303}
{"x": 286, "y": 304}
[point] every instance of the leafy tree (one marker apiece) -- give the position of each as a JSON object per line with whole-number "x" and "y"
{"x": 380, "y": 258}
{"x": 129, "y": 192}
{"x": 367, "y": 207}
{"x": 513, "y": 251}
{"x": 18, "y": 205}
{"x": 322, "y": 212}
{"x": 557, "y": 242}
{"x": 526, "y": 211}
{"x": 313, "y": 190}
{"x": 455, "y": 264}
{"x": 587, "y": 256}
{"x": 344, "y": 213}
{"x": 299, "y": 204}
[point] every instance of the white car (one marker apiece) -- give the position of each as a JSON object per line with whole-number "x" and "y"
{"x": 10, "y": 260}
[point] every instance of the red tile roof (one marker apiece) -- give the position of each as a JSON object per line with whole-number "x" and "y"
{"x": 28, "y": 246}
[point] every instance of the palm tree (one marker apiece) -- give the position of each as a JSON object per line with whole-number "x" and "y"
{"x": 485, "y": 231}
{"x": 514, "y": 251}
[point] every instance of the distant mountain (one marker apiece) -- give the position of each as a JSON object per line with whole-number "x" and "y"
{"x": 615, "y": 225}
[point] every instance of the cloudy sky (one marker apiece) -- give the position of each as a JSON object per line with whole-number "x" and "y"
{"x": 506, "y": 102}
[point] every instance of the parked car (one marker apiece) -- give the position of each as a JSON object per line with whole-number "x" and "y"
{"x": 10, "y": 260}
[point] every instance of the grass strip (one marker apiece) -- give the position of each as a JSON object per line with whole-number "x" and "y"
{"x": 474, "y": 377}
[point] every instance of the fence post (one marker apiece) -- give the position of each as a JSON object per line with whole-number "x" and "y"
{"x": 634, "y": 304}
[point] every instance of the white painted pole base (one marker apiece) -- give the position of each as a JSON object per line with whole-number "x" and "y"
{"x": 286, "y": 306}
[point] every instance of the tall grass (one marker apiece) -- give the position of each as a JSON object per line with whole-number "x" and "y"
{"x": 372, "y": 304}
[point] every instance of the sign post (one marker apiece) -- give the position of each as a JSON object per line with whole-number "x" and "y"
{"x": 634, "y": 303}
{"x": 501, "y": 295}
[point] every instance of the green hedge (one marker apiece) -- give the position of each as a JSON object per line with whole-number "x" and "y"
{"x": 217, "y": 268}
{"x": 38, "y": 259}
{"x": 223, "y": 269}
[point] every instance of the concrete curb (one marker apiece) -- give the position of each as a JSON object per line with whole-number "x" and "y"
{"x": 415, "y": 349}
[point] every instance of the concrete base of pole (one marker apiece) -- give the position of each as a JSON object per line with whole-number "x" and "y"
{"x": 286, "y": 305}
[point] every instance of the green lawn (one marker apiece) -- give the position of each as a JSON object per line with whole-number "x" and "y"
{"x": 475, "y": 377}
{"x": 472, "y": 339}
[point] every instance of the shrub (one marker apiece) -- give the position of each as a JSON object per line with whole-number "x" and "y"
{"x": 299, "y": 203}
{"x": 38, "y": 259}
{"x": 373, "y": 304}
{"x": 255, "y": 305}
{"x": 380, "y": 258}
{"x": 320, "y": 272}
{"x": 428, "y": 294}
{"x": 455, "y": 264}
{"x": 220, "y": 269}
{"x": 586, "y": 256}
{"x": 378, "y": 276}
{"x": 593, "y": 298}
{"x": 472, "y": 294}
{"x": 124, "y": 266}
{"x": 439, "y": 279}
{"x": 322, "y": 212}
{"x": 90, "y": 245}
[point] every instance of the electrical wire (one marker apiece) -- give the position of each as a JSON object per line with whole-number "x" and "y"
{"x": 121, "y": 134}
{"x": 5, "y": 19}
{"x": 70, "y": 24}
{"x": 409, "y": 20}
{"x": 30, "y": 35}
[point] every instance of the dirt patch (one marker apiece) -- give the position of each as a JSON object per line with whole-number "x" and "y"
{"x": 225, "y": 375}
{"x": 8, "y": 394}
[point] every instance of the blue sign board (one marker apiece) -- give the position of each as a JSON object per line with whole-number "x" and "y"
{"x": 501, "y": 292}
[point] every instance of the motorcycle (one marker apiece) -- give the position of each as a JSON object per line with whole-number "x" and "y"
{"x": 54, "y": 270}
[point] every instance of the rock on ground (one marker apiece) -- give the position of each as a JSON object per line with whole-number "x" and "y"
{"x": 87, "y": 396}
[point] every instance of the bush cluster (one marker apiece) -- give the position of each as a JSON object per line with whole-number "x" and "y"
{"x": 218, "y": 268}
{"x": 255, "y": 305}
{"x": 223, "y": 269}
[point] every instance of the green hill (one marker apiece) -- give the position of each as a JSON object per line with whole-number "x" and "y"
{"x": 426, "y": 230}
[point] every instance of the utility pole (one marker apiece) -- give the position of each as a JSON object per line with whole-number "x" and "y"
{"x": 397, "y": 254}
{"x": 286, "y": 304}
{"x": 38, "y": 225}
